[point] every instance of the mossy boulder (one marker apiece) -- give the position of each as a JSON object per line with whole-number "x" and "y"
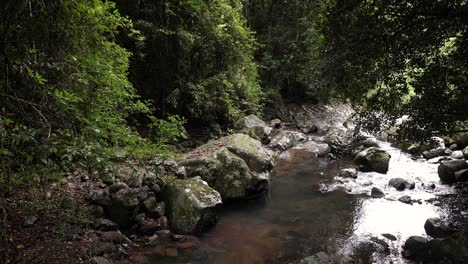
{"x": 237, "y": 166}
{"x": 191, "y": 205}
{"x": 373, "y": 159}
{"x": 254, "y": 127}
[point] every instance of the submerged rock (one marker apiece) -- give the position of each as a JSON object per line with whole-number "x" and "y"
{"x": 236, "y": 166}
{"x": 447, "y": 169}
{"x": 318, "y": 149}
{"x": 373, "y": 159}
{"x": 191, "y": 205}
{"x": 401, "y": 184}
{"x": 437, "y": 228}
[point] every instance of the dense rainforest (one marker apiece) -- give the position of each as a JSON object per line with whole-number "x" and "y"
{"x": 85, "y": 84}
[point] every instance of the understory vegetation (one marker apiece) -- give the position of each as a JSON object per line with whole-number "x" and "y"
{"x": 85, "y": 83}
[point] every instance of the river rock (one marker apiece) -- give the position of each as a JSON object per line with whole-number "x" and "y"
{"x": 191, "y": 205}
{"x": 285, "y": 139}
{"x": 237, "y": 166}
{"x": 452, "y": 249}
{"x": 415, "y": 248}
{"x": 447, "y": 169}
{"x": 348, "y": 173}
{"x": 318, "y": 149}
{"x": 462, "y": 175}
{"x": 437, "y": 228}
{"x": 457, "y": 154}
{"x": 405, "y": 199}
{"x": 429, "y": 154}
{"x": 340, "y": 140}
{"x": 373, "y": 159}
{"x": 105, "y": 225}
{"x": 275, "y": 123}
{"x": 125, "y": 204}
{"x": 401, "y": 184}
{"x": 254, "y": 127}
{"x": 377, "y": 193}
{"x": 465, "y": 152}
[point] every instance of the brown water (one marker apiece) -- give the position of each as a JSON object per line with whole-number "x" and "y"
{"x": 309, "y": 210}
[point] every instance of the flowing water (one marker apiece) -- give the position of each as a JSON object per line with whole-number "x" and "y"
{"x": 309, "y": 210}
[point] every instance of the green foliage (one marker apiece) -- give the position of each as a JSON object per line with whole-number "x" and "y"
{"x": 287, "y": 37}
{"x": 65, "y": 97}
{"x": 197, "y": 58}
{"x": 398, "y": 58}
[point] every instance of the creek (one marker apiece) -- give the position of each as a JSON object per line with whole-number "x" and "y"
{"x": 309, "y": 209}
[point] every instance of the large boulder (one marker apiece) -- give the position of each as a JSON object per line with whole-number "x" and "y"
{"x": 237, "y": 166}
{"x": 457, "y": 154}
{"x": 191, "y": 205}
{"x": 462, "y": 175}
{"x": 447, "y": 169}
{"x": 373, "y": 159}
{"x": 340, "y": 140}
{"x": 437, "y": 228}
{"x": 285, "y": 139}
{"x": 254, "y": 127}
{"x": 318, "y": 149}
{"x": 415, "y": 248}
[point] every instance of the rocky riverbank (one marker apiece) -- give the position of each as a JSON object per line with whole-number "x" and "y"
{"x": 161, "y": 204}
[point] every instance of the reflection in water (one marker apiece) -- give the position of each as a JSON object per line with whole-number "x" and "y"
{"x": 297, "y": 220}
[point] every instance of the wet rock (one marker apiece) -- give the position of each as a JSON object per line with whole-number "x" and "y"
{"x": 373, "y": 159}
{"x": 100, "y": 260}
{"x": 348, "y": 173}
{"x": 318, "y": 258}
{"x": 462, "y": 175}
{"x": 390, "y": 237}
{"x": 415, "y": 248}
{"x": 105, "y": 225}
{"x": 447, "y": 169}
{"x": 377, "y": 193}
{"x": 438, "y": 160}
{"x": 318, "y": 149}
{"x": 453, "y": 249}
{"x": 285, "y": 139}
{"x": 401, "y": 184}
{"x": 458, "y": 154}
{"x": 30, "y": 220}
{"x": 191, "y": 205}
{"x": 275, "y": 123}
{"x": 437, "y": 228}
{"x": 405, "y": 199}
{"x": 237, "y": 166}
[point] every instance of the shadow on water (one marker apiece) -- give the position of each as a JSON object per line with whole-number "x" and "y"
{"x": 297, "y": 220}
